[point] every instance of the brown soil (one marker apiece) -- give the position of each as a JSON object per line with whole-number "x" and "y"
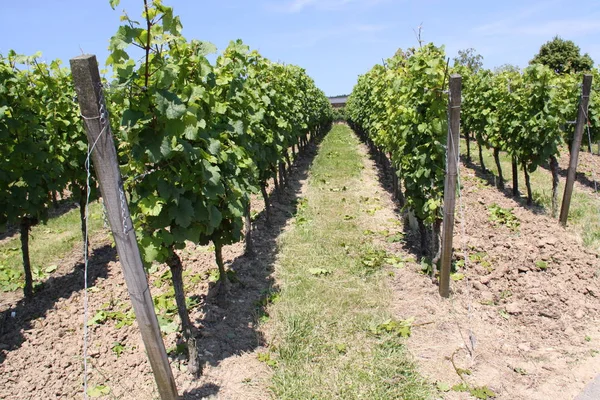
{"x": 524, "y": 321}
{"x": 588, "y": 169}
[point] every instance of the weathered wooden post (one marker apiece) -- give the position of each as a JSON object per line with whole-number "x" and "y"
{"x": 581, "y": 121}
{"x": 450, "y": 181}
{"x": 88, "y": 86}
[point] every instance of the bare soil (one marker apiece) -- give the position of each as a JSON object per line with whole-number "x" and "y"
{"x": 524, "y": 320}
{"x": 588, "y": 169}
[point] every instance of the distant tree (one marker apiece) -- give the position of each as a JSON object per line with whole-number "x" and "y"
{"x": 563, "y": 56}
{"x": 507, "y": 68}
{"x": 470, "y": 59}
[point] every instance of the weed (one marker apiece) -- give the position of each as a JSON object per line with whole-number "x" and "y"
{"x": 543, "y": 265}
{"x": 443, "y": 387}
{"x": 482, "y": 392}
{"x": 481, "y": 259}
{"x": 457, "y": 276}
{"x": 10, "y": 279}
{"x": 401, "y": 328}
{"x": 163, "y": 278}
{"x": 341, "y": 348}
{"x": 520, "y": 371}
{"x": 118, "y": 348}
{"x": 395, "y": 238}
{"x": 372, "y": 260}
{"x": 122, "y": 318}
{"x": 301, "y": 220}
{"x": 426, "y": 266}
{"x": 266, "y": 358}
{"x": 98, "y": 391}
{"x": 372, "y": 211}
{"x": 214, "y": 274}
{"x": 178, "y": 349}
{"x": 503, "y": 216}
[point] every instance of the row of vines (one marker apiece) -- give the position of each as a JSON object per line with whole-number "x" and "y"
{"x": 401, "y": 110}
{"x": 43, "y": 146}
{"x": 529, "y": 115}
{"x": 195, "y": 139}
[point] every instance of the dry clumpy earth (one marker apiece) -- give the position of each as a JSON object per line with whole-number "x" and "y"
{"x": 524, "y": 320}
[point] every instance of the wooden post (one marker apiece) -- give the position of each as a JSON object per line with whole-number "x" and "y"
{"x": 575, "y": 145}
{"x": 88, "y": 86}
{"x": 450, "y": 182}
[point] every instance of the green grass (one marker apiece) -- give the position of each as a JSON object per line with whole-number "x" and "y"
{"x": 48, "y": 244}
{"x": 322, "y": 344}
{"x": 584, "y": 213}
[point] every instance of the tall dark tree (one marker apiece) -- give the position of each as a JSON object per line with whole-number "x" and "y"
{"x": 563, "y": 56}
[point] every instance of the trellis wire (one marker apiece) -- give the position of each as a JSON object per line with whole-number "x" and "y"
{"x": 103, "y": 119}
{"x": 461, "y": 208}
{"x": 589, "y": 135}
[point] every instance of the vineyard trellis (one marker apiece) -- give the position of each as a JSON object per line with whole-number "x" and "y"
{"x": 397, "y": 107}
{"x": 402, "y": 109}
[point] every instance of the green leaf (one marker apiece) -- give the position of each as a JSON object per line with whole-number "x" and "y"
{"x": 443, "y": 387}
{"x": 214, "y": 146}
{"x": 150, "y": 249}
{"x": 98, "y": 391}
{"x": 151, "y": 205}
{"x": 215, "y": 216}
{"x": 184, "y": 212}
{"x": 169, "y": 104}
{"x": 167, "y": 325}
{"x": 50, "y": 269}
{"x": 457, "y": 276}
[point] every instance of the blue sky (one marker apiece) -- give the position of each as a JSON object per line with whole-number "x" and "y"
{"x": 334, "y": 40}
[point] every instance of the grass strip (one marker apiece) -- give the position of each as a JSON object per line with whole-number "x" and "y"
{"x": 324, "y": 340}
{"x": 48, "y": 244}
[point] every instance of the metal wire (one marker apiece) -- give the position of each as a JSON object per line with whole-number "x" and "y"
{"x": 103, "y": 120}
{"x": 470, "y": 345}
{"x": 589, "y": 135}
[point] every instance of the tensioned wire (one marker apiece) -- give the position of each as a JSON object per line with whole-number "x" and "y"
{"x": 472, "y": 340}
{"x": 103, "y": 120}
